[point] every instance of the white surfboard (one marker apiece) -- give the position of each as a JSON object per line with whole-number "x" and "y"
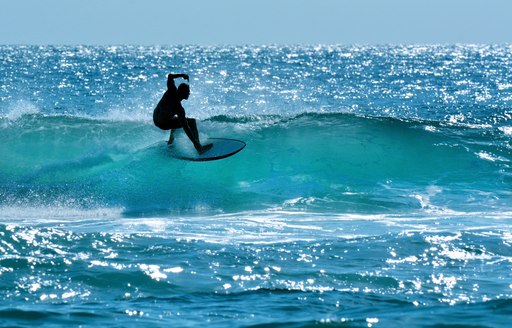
{"x": 222, "y": 148}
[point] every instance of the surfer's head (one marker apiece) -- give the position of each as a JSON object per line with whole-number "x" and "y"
{"x": 183, "y": 91}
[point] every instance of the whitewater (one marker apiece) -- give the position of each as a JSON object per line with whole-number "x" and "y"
{"x": 375, "y": 188}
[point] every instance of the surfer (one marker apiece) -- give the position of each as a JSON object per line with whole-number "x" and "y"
{"x": 169, "y": 114}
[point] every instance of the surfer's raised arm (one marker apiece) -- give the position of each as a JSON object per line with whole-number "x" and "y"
{"x": 171, "y": 77}
{"x": 175, "y": 76}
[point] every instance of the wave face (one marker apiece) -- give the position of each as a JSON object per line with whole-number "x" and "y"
{"x": 375, "y": 187}
{"x": 320, "y": 162}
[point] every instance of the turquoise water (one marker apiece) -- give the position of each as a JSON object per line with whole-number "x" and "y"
{"x": 374, "y": 190}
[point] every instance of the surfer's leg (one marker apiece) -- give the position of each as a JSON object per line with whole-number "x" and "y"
{"x": 171, "y": 137}
{"x": 193, "y": 126}
{"x": 173, "y": 124}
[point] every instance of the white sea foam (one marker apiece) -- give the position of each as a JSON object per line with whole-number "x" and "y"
{"x": 490, "y": 157}
{"x": 55, "y": 214}
{"x": 19, "y": 108}
{"x": 506, "y": 130}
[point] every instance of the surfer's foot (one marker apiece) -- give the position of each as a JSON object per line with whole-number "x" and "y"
{"x": 204, "y": 148}
{"x": 171, "y": 140}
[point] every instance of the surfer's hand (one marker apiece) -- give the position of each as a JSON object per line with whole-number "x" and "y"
{"x": 185, "y": 76}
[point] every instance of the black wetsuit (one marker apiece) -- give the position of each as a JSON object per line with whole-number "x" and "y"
{"x": 169, "y": 113}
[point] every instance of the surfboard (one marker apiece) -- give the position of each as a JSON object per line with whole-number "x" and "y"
{"x": 222, "y": 148}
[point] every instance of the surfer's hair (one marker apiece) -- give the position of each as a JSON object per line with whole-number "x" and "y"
{"x": 183, "y": 89}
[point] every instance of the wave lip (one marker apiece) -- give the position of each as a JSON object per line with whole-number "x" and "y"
{"x": 18, "y": 110}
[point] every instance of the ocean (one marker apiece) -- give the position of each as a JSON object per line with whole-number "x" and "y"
{"x": 375, "y": 189}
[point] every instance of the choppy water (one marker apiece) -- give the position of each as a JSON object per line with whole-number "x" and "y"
{"x": 375, "y": 188}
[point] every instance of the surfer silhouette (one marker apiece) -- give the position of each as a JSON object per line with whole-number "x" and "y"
{"x": 169, "y": 114}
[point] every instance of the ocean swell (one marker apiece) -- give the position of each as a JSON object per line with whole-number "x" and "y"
{"x": 322, "y": 162}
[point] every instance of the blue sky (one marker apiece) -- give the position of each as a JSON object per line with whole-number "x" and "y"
{"x": 211, "y": 22}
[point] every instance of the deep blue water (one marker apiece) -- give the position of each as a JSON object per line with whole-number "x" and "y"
{"x": 375, "y": 189}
